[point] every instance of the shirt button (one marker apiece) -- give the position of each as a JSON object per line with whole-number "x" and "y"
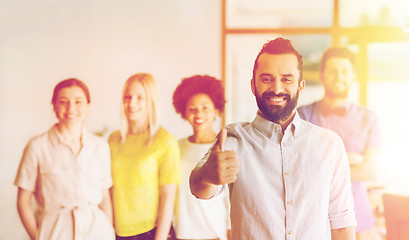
{"x": 284, "y": 145}
{"x": 289, "y": 202}
{"x": 286, "y": 173}
{"x": 290, "y": 232}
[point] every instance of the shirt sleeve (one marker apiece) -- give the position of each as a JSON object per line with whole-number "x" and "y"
{"x": 341, "y": 206}
{"x": 169, "y": 171}
{"x": 27, "y": 172}
{"x": 106, "y": 177}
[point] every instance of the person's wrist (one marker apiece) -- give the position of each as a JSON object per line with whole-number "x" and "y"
{"x": 203, "y": 176}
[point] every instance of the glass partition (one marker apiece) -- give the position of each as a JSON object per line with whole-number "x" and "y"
{"x": 374, "y": 13}
{"x": 388, "y": 97}
{"x": 277, "y": 13}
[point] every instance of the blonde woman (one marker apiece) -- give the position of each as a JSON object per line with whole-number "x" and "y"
{"x": 67, "y": 170}
{"x": 145, "y": 165}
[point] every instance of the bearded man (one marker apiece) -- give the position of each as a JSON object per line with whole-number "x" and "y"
{"x": 293, "y": 180}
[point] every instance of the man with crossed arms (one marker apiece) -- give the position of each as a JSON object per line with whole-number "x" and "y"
{"x": 357, "y": 126}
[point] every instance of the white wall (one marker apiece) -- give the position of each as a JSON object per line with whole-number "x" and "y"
{"x": 102, "y": 43}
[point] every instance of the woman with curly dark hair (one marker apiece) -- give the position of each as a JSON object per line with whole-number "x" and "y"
{"x": 199, "y": 100}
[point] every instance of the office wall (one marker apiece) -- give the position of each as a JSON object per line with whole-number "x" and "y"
{"x": 102, "y": 43}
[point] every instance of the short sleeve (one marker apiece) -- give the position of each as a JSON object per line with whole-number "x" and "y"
{"x": 169, "y": 171}
{"x": 28, "y": 169}
{"x": 106, "y": 177}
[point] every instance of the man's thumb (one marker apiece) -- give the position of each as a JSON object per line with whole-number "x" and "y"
{"x": 221, "y": 138}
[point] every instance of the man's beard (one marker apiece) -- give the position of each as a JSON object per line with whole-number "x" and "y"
{"x": 336, "y": 94}
{"x": 276, "y": 113}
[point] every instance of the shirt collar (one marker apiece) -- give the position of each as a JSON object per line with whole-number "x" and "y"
{"x": 269, "y": 128}
{"x": 57, "y": 138}
{"x": 55, "y": 135}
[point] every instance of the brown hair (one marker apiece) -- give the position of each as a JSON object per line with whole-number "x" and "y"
{"x": 276, "y": 47}
{"x": 70, "y": 83}
{"x": 337, "y": 52}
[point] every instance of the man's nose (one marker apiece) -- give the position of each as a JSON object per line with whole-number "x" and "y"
{"x": 339, "y": 75}
{"x": 276, "y": 86}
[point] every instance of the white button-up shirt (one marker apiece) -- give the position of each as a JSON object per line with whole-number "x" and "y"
{"x": 294, "y": 185}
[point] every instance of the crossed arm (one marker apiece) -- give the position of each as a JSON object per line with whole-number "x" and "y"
{"x": 364, "y": 167}
{"x": 347, "y": 233}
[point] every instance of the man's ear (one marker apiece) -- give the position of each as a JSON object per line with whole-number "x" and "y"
{"x": 322, "y": 77}
{"x": 253, "y": 87}
{"x": 301, "y": 86}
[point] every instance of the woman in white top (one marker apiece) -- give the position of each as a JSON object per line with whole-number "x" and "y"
{"x": 68, "y": 171}
{"x": 199, "y": 100}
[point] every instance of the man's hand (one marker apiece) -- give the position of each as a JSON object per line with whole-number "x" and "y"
{"x": 222, "y": 166}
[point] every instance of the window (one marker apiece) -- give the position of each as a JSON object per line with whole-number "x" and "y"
{"x": 377, "y": 30}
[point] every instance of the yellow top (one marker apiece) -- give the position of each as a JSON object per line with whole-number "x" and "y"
{"x": 137, "y": 171}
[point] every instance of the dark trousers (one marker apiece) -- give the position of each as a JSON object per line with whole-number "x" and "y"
{"x": 147, "y": 236}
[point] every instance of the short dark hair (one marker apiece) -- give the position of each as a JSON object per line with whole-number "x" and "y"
{"x": 195, "y": 85}
{"x": 276, "y": 47}
{"x": 69, "y": 83}
{"x": 337, "y": 52}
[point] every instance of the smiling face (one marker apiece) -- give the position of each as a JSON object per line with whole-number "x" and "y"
{"x": 276, "y": 86}
{"x": 200, "y": 112}
{"x": 337, "y": 77}
{"x": 71, "y": 106}
{"x": 135, "y": 103}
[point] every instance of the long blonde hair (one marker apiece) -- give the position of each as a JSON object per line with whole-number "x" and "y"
{"x": 150, "y": 87}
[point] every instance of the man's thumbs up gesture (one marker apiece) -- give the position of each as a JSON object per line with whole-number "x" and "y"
{"x": 220, "y": 168}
